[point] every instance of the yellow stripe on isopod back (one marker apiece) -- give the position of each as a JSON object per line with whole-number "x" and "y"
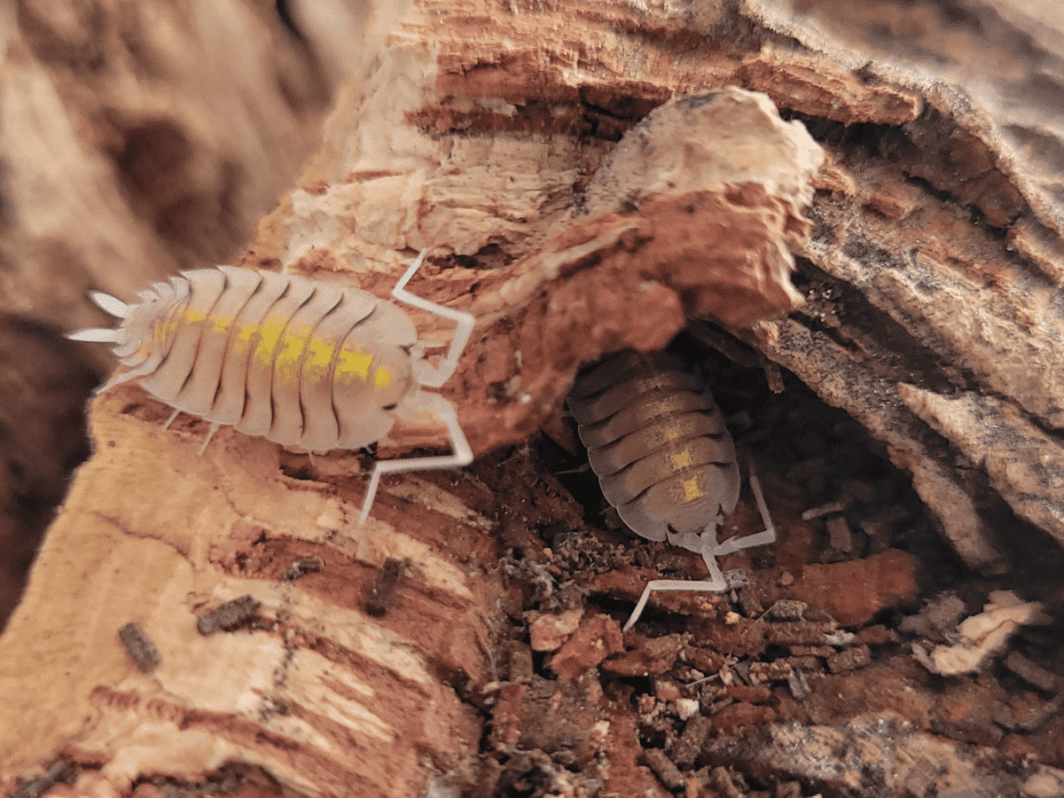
{"x": 319, "y": 355}
{"x": 692, "y": 490}
{"x": 293, "y": 344}
{"x": 291, "y": 405}
{"x": 672, "y": 431}
{"x": 258, "y": 416}
{"x": 321, "y": 428}
{"x": 356, "y": 364}
{"x": 381, "y": 378}
{"x": 194, "y": 316}
{"x": 648, "y": 411}
{"x": 659, "y": 466}
{"x": 231, "y": 396}
{"x": 681, "y": 460}
{"x": 269, "y": 335}
{"x": 206, "y": 288}
{"x": 153, "y": 311}
{"x": 246, "y": 334}
{"x": 200, "y": 390}
{"x": 353, "y": 364}
{"x": 168, "y": 318}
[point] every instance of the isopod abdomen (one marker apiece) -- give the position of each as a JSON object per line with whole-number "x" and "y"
{"x": 308, "y": 364}
{"x": 664, "y": 457}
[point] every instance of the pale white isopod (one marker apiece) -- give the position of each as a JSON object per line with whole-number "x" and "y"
{"x": 304, "y": 363}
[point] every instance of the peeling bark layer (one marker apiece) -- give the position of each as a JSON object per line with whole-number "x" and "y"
{"x": 303, "y": 678}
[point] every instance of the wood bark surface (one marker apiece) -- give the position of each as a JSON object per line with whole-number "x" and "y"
{"x": 923, "y": 228}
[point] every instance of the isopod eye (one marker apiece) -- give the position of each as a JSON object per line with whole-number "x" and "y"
{"x": 390, "y": 407}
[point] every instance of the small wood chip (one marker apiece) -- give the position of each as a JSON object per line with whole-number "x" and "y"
{"x": 228, "y": 616}
{"x": 839, "y": 535}
{"x": 140, "y": 647}
{"x": 1032, "y": 673}
{"x": 822, "y": 510}
{"x": 664, "y": 768}
{"x": 786, "y": 610}
{"x": 798, "y": 684}
{"x": 850, "y": 659}
{"x": 301, "y": 567}
{"x": 721, "y": 781}
{"x": 385, "y": 587}
{"x": 60, "y": 771}
{"x": 694, "y": 736}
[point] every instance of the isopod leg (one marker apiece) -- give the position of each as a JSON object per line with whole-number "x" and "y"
{"x": 710, "y": 550}
{"x": 214, "y": 428}
{"x": 715, "y": 584}
{"x": 429, "y": 376}
{"x": 461, "y": 453}
{"x": 676, "y": 586}
{"x": 761, "y": 538}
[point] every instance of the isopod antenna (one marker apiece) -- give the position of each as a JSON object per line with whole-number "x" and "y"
{"x": 705, "y": 543}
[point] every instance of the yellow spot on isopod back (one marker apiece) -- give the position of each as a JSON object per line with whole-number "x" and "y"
{"x": 293, "y": 342}
{"x": 242, "y": 341}
{"x": 269, "y": 335}
{"x": 382, "y": 379}
{"x": 353, "y": 364}
{"x": 194, "y": 316}
{"x": 319, "y": 356}
{"x": 682, "y": 460}
{"x": 222, "y": 323}
{"x": 692, "y": 491}
{"x": 161, "y": 332}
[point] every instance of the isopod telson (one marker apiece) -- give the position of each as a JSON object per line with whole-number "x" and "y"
{"x": 664, "y": 459}
{"x": 308, "y": 364}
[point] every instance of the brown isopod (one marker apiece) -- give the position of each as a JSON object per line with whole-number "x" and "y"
{"x": 664, "y": 458}
{"x": 309, "y": 364}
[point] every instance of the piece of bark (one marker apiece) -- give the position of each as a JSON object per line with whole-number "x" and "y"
{"x": 311, "y": 675}
{"x": 875, "y": 755}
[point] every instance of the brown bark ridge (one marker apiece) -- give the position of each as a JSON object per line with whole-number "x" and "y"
{"x": 927, "y": 259}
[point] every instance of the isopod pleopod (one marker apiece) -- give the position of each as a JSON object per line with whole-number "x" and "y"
{"x": 308, "y": 364}
{"x": 664, "y": 458}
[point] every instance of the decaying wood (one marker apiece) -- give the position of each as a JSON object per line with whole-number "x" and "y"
{"x": 927, "y": 306}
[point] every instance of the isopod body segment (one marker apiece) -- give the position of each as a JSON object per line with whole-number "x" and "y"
{"x": 304, "y": 363}
{"x": 664, "y": 458}
{"x": 657, "y": 442}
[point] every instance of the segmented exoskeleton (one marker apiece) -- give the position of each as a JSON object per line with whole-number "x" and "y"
{"x": 664, "y": 458}
{"x": 308, "y": 364}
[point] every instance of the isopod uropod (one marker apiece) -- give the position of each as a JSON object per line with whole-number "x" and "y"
{"x": 664, "y": 458}
{"x": 303, "y": 363}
